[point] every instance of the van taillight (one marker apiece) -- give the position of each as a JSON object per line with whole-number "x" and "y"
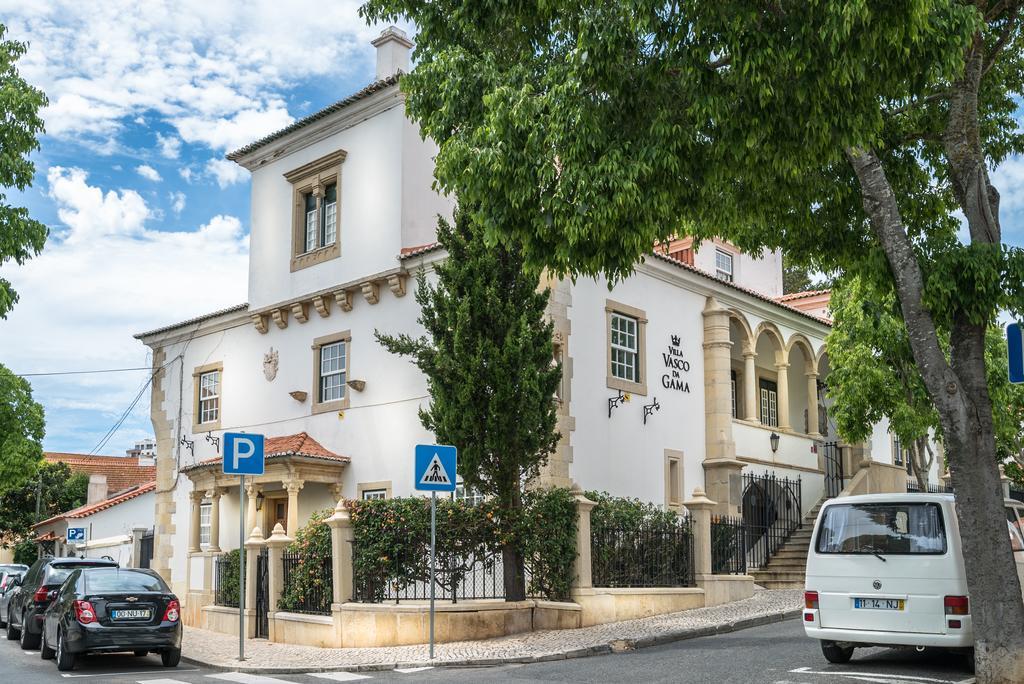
{"x": 84, "y": 612}
{"x": 811, "y": 599}
{"x": 956, "y": 605}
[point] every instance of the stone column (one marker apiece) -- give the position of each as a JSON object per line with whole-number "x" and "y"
{"x": 700, "y": 507}
{"x": 581, "y": 569}
{"x": 253, "y": 546}
{"x": 341, "y": 552}
{"x": 812, "y": 406}
{"x": 721, "y": 469}
{"x": 196, "y": 498}
{"x": 750, "y": 403}
{"x": 251, "y": 490}
{"x": 276, "y": 545}
{"x": 214, "y": 496}
{"x": 293, "y": 487}
{"x": 1004, "y": 480}
{"x": 782, "y": 368}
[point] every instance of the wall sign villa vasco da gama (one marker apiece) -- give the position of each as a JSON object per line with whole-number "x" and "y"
{"x": 675, "y": 365}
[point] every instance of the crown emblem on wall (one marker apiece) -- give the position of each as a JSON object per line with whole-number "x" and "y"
{"x": 675, "y": 340}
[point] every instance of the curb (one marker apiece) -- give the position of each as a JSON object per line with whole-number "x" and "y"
{"x": 616, "y": 646}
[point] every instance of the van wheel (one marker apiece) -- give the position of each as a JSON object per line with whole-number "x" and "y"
{"x": 836, "y": 654}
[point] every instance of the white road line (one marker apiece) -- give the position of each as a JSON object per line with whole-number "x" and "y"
{"x": 246, "y": 678}
{"x": 30, "y": 652}
{"x": 410, "y": 670}
{"x": 162, "y": 681}
{"x": 122, "y": 674}
{"x": 339, "y": 676}
{"x": 875, "y": 676}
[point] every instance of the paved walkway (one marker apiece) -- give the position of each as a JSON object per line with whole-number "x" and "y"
{"x": 220, "y": 650}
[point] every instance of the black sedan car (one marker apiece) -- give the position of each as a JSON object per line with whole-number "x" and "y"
{"x": 30, "y": 598}
{"x": 8, "y": 574}
{"x": 105, "y": 610}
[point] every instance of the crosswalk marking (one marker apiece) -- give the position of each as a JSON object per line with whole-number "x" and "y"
{"x": 410, "y": 670}
{"x": 245, "y": 678}
{"x": 339, "y": 676}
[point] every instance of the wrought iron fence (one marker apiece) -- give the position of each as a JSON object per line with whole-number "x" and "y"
{"x": 308, "y": 586}
{"x": 772, "y": 511}
{"x": 835, "y": 478}
{"x": 225, "y": 578}
{"x": 914, "y": 487}
{"x": 728, "y": 546}
{"x": 659, "y": 556}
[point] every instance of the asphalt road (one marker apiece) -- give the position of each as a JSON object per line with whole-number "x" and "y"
{"x": 773, "y": 654}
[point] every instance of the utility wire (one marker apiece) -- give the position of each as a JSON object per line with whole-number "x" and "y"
{"x": 83, "y": 372}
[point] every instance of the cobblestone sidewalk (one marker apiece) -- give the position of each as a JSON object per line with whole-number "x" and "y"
{"x": 220, "y": 651}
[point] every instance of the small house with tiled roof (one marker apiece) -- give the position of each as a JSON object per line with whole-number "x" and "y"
{"x": 111, "y": 474}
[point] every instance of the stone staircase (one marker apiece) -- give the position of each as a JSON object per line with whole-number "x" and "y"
{"x": 787, "y": 568}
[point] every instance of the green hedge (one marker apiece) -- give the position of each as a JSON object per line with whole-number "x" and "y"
{"x": 227, "y": 589}
{"x": 313, "y": 544}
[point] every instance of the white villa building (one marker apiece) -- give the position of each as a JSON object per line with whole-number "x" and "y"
{"x": 723, "y": 374}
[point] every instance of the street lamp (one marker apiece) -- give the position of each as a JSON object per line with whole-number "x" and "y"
{"x": 774, "y": 439}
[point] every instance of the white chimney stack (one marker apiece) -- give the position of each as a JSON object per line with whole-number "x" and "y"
{"x": 97, "y": 490}
{"x": 393, "y": 47}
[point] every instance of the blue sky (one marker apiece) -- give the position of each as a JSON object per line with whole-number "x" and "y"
{"x": 149, "y": 223}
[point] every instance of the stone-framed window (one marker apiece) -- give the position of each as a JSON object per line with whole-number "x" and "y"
{"x": 316, "y": 215}
{"x": 207, "y": 401}
{"x": 205, "y": 511}
{"x": 368, "y": 491}
{"x": 331, "y": 359}
{"x": 626, "y": 345}
{"x": 674, "y": 491}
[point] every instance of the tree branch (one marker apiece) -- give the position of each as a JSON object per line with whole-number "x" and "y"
{"x": 1004, "y": 38}
{"x": 944, "y": 95}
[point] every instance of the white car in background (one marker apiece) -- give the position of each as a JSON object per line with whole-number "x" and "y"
{"x": 888, "y": 570}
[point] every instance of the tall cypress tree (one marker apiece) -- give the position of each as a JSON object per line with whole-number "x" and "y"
{"x": 487, "y": 355}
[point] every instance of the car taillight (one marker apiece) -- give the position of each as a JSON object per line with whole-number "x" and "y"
{"x": 41, "y": 595}
{"x": 173, "y": 609}
{"x": 811, "y": 599}
{"x": 84, "y": 612}
{"x": 956, "y": 605}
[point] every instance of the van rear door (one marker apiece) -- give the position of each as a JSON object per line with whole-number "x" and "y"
{"x": 884, "y": 566}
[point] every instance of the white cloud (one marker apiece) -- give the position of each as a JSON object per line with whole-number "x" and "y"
{"x": 1008, "y": 178}
{"x": 177, "y": 202}
{"x": 103, "y": 277}
{"x": 231, "y": 132}
{"x": 148, "y": 172}
{"x": 226, "y": 172}
{"x": 186, "y": 174}
{"x": 170, "y": 146}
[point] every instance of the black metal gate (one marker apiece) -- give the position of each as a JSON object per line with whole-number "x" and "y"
{"x": 771, "y": 513}
{"x": 834, "y": 476}
{"x": 262, "y": 594}
{"x": 146, "y": 550}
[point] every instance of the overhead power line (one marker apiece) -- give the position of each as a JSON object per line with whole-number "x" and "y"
{"x": 84, "y": 372}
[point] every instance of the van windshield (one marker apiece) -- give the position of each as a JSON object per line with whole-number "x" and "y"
{"x": 883, "y": 528}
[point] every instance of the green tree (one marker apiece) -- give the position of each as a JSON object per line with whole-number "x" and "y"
{"x": 54, "y": 489}
{"x": 846, "y": 132}
{"x": 21, "y": 237}
{"x": 22, "y": 427}
{"x": 797, "y": 278}
{"x": 487, "y": 356}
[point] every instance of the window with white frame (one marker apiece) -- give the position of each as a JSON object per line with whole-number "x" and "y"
{"x": 205, "y": 510}
{"x": 625, "y": 349}
{"x": 732, "y": 389}
{"x": 316, "y": 216}
{"x": 723, "y": 265}
{"x": 372, "y": 494}
{"x": 467, "y": 494}
{"x": 209, "y": 397}
{"x": 897, "y": 450}
{"x": 769, "y": 403}
{"x": 332, "y": 372}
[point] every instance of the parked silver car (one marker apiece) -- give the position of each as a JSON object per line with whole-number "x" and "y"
{"x": 8, "y": 573}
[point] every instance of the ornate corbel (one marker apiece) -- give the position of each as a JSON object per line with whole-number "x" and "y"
{"x": 280, "y": 317}
{"x": 301, "y": 311}
{"x": 371, "y": 292}
{"x": 322, "y": 306}
{"x": 397, "y": 284}
{"x": 260, "y": 322}
{"x": 344, "y": 299}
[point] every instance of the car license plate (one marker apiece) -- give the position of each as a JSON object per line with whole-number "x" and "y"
{"x": 879, "y": 604}
{"x": 130, "y": 614}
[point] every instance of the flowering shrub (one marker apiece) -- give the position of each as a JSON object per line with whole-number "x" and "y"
{"x": 308, "y": 578}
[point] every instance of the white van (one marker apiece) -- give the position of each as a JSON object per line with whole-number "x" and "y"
{"x": 888, "y": 570}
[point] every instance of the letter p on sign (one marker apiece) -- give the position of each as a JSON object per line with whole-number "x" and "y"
{"x": 243, "y": 454}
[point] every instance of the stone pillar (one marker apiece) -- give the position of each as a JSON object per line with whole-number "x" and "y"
{"x": 253, "y": 546}
{"x": 276, "y": 545}
{"x": 196, "y": 498}
{"x": 750, "y": 403}
{"x": 700, "y": 508}
{"x": 214, "y": 496}
{"x": 1004, "y": 480}
{"x": 251, "y": 490}
{"x": 721, "y": 469}
{"x": 812, "y": 405}
{"x": 782, "y": 368}
{"x": 341, "y": 552}
{"x": 947, "y": 479}
{"x": 582, "y": 577}
{"x": 137, "y": 534}
{"x": 293, "y": 487}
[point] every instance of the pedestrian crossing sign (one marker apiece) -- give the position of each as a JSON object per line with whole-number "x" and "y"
{"x": 435, "y": 468}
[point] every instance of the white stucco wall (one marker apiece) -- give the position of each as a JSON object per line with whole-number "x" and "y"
{"x": 109, "y": 531}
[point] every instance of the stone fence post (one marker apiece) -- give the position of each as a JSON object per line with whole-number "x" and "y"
{"x": 253, "y": 546}
{"x": 1004, "y": 480}
{"x": 581, "y": 568}
{"x": 276, "y": 544}
{"x": 341, "y": 552}
{"x": 700, "y": 507}
{"x": 137, "y": 534}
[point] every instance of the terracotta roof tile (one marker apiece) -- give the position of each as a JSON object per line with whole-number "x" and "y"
{"x": 421, "y": 249}
{"x": 89, "y": 509}
{"x": 300, "y": 444}
{"x": 801, "y": 295}
{"x": 122, "y": 471}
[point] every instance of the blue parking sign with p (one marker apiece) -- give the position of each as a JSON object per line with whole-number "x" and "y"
{"x": 243, "y": 454}
{"x": 1015, "y": 348}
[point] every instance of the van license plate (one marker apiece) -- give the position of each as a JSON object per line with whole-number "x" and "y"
{"x": 130, "y": 614}
{"x": 879, "y": 604}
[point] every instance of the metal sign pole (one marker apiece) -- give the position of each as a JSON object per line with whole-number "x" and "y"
{"x": 433, "y": 570}
{"x": 241, "y": 568}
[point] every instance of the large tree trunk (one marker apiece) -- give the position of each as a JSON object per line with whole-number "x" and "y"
{"x": 512, "y": 560}
{"x": 960, "y": 394}
{"x": 917, "y": 463}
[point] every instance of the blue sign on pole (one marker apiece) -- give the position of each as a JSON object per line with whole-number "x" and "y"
{"x": 243, "y": 454}
{"x": 1015, "y": 347}
{"x": 76, "y": 534}
{"x": 435, "y": 468}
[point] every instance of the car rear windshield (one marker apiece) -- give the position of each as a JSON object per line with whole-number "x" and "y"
{"x": 56, "y": 574}
{"x": 886, "y": 528}
{"x": 100, "y": 581}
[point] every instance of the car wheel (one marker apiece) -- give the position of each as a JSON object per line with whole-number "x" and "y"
{"x": 65, "y": 660}
{"x": 28, "y": 640}
{"x": 45, "y": 652}
{"x": 141, "y": 652}
{"x": 171, "y": 657}
{"x": 836, "y": 654}
{"x": 12, "y": 633}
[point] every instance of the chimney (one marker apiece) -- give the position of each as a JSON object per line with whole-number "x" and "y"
{"x": 393, "y": 48}
{"x": 97, "y": 489}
